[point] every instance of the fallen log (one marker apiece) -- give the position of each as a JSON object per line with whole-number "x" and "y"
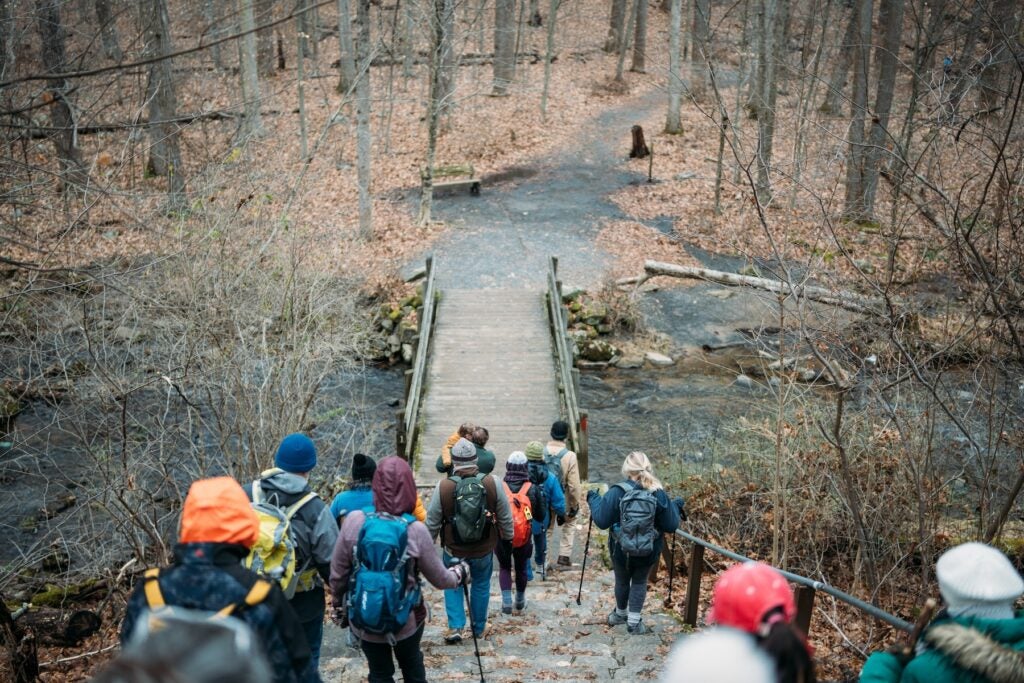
{"x": 845, "y": 299}
{"x": 63, "y": 628}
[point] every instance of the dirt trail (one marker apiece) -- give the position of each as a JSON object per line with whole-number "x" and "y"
{"x": 503, "y": 237}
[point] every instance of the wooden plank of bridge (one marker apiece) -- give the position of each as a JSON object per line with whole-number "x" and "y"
{"x": 492, "y": 364}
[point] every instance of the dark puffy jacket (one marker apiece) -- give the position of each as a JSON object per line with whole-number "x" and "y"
{"x": 208, "y": 577}
{"x": 605, "y": 512}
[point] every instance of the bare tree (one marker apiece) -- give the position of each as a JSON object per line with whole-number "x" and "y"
{"x": 620, "y": 64}
{"x": 448, "y": 67}
{"x": 549, "y": 55}
{"x": 438, "y": 39}
{"x": 640, "y": 39}
{"x": 108, "y": 30}
{"x": 840, "y": 68}
{"x": 504, "y": 46}
{"x": 264, "y": 12}
{"x": 616, "y": 23}
{"x": 673, "y": 124}
{"x": 854, "y": 207}
{"x": 7, "y": 53}
{"x": 211, "y": 16}
{"x": 164, "y": 151}
{"x": 363, "y": 139}
{"x": 346, "y": 51}
{"x": 253, "y": 123}
{"x": 535, "y": 19}
{"x": 886, "y": 60}
{"x": 769, "y": 29}
{"x": 700, "y": 52}
{"x": 62, "y": 118}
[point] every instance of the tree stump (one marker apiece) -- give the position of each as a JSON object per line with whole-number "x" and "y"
{"x": 640, "y": 149}
{"x": 21, "y": 648}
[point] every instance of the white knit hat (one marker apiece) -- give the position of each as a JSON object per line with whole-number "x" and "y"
{"x": 977, "y": 580}
{"x": 516, "y": 458}
{"x": 718, "y": 655}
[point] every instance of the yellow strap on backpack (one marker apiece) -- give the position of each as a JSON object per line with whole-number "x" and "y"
{"x": 257, "y": 594}
{"x": 154, "y": 597}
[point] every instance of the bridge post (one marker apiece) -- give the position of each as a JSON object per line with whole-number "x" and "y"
{"x": 583, "y": 447}
{"x": 804, "y": 608}
{"x": 400, "y": 436}
{"x": 408, "y": 385}
{"x": 693, "y": 584}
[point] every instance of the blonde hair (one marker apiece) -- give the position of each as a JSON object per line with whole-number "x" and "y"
{"x": 638, "y": 468}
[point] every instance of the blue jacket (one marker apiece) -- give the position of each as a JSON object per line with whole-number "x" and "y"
{"x": 208, "y": 577}
{"x": 552, "y": 491}
{"x": 356, "y": 498}
{"x": 604, "y": 510}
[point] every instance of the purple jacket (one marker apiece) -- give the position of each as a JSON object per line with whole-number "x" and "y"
{"x": 394, "y": 491}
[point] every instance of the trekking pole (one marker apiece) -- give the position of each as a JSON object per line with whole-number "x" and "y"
{"x": 586, "y": 551}
{"x": 472, "y": 627}
{"x": 671, "y": 567}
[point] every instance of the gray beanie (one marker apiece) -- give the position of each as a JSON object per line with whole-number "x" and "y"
{"x": 463, "y": 455}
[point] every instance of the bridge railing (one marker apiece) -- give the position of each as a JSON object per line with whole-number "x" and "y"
{"x": 568, "y": 376}
{"x": 407, "y": 433}
{"x": 805, "y": 590}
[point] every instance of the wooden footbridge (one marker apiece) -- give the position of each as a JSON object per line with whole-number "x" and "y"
{"x": 499, "y": 358}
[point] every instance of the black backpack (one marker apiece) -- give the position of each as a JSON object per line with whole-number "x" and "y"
{"x": 538, "y": 475}
{"x": 637, "y": 509}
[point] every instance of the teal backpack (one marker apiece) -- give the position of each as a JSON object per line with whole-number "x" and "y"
{"x": 380, "y": 598}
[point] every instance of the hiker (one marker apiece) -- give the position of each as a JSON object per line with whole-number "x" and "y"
{"x": 637, "y": 511}
{"x": 561, "y": 460}
{"x": 976, "y": 638}
{"x": 312, "y": 526}
{"x": 218, "y": 526}
{"x": 395, "y": 492}
{"x": 524, "y": 497}
{"x": 718, "y": 655}
{"x": 756, "y": 599}
{"x": 478, "y": 436}
{"x": 469, "y": 529}
{"x": 357, "y": 494}
{"x": 552, "y": 507}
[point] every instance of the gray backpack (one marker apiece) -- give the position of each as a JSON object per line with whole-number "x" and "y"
{"x": 636, "y": 521}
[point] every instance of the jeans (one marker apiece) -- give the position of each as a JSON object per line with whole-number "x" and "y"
{"x": 314, "y": 630}
{"x": 480, "y": 569}
{"x": 408, "y": 654}
{"x": 540, "y": 548}
{"x": 519, "y": 557}
{"x": 631, "y": 579}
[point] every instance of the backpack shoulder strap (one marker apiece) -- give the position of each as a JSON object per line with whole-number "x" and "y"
{"x": 525, "y": 490}
{"x": 562, "y": 452}
{"x": 154, "y": 596}
{"x": 297, "y": 505}
{"x": 257, "y": 594}
{"x": 257, "y": 491}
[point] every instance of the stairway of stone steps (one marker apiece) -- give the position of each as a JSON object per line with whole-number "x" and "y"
{"x": 553, "y": 639}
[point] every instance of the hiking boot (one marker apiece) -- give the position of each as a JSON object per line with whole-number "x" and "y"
{"x": 520, "y": 606}
{"x": 615, "y": 620}
{"x": 485, "y": 632}
{"x": 453, "y": 636}
{"x": 507, "y": 609}
{"x": 637, "y": 630}
{"x": 564, "y": 561}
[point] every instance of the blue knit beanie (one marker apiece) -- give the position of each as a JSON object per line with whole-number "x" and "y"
{"x": 296, "y": 454}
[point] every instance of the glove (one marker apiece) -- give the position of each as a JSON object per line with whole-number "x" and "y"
{"x": 901, "y": 657}
{"x": 681, "y": 506}
{"x": 462, "y": 570}
{"x": 339, "y": 615}
{"x": 560, "y": 519}
{"x": 573, "y": 511}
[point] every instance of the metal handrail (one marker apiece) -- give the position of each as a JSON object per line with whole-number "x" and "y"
{"x": 565, "y": 373}
{"x": 414, "y": 391}
{"x": 803, "y": 605}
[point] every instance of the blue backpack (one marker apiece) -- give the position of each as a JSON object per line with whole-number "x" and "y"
{"x": 379, "y": 599}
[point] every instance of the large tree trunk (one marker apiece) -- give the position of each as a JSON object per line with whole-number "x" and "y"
{"x": 504, "y": 45}
{"x": 108, "y": 30}
{"x": 549, "y": 55}
{"x": 347, "y": 59}
{"x": 615, "y": 26}
{"x": 437, "y": 40}
{"x": 673, "y": 124}
{"x": 640, "y": 39}
{"x": 363, "y": 139}
{"x": 624, "y": 46}
{"x": 51, "y": 34}
{"x": 253, "y": 125}
{"x": 854, "y": 208}
{"x": 700, "y": 52}
{"x": 999, "y": 67}
{"x": 832, "y": 104}
{"x": 264, "y": 11}
{"x": 886, "y": 59}
{"x": 770, "y": 30}
{"x": 7, "y": 40}
{"x": 211, "y": 16}
{"x": 164, "y": 152}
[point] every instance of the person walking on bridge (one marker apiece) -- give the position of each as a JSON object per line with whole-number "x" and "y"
{"x": 478, "y": 436}
{"x": 638, "y": 512}
{"x": 551, "y": 507}
{"x": 563, "y": 461}
{"x": 469, "y": 510}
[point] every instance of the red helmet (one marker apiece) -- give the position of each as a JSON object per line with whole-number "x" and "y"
{"x": 746, "y": 592}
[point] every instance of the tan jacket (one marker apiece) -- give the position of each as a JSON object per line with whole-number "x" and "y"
{"x": 570, "y": 474}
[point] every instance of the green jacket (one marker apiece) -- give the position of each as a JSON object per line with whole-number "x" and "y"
{"x": 959, "y": 650}
{"x": 484, "y": 461}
